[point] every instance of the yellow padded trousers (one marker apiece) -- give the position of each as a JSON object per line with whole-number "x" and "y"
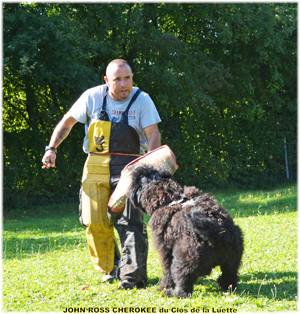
{"x": 95, "y": 195}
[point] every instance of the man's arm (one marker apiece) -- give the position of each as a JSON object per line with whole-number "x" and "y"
{"x": 60, "y": 132}
{"x": 153, "y": 137}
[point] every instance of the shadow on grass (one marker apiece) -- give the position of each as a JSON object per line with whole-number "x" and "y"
{"x": 28, "y": 247}
{"x": 40, "y": 230}
{"x": 267, "y": 284}
{"x": 46, "y": 211}
{"x": 277, "y": 285}
{"x": 153, "y": 281}
{"x": 271, "y": 285}
{"x": 254, "y": 208}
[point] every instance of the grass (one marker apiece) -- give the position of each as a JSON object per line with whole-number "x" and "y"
{"x": 47, "y": 267}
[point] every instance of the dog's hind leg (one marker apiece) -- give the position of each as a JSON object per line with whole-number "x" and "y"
{"x": 229, "y": 278}
{"x": 166, "y": 282}
{"x": 184, "y": 275}
{"x": 184, "y": 288}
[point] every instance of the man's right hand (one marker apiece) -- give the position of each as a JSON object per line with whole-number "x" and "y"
{"x": 49, "y": 159}
{"x": 60, "y": 132}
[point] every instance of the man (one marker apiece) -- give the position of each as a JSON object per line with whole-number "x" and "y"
{"x": 121, "y": 123}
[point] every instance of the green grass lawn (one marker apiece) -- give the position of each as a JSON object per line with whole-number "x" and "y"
{"x": 47, "y": 267}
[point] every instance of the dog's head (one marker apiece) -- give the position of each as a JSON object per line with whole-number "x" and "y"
{"x": 151, "y": 189}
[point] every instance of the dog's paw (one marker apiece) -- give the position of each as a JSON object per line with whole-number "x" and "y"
{"x": 169, "y": 286}
{"x": 170, "y": 293}
{"x": 226, "y": 285}
{"x": 180, "y": 294}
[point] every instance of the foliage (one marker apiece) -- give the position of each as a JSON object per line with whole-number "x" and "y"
{"x": 47, "y": 267}
{"x": 222, "y": 75}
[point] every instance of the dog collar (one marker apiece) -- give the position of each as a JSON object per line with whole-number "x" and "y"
{"x": 176, "y": 202}
{"x": 183, "y": 201}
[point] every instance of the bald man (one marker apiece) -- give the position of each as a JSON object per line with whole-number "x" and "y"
{"x": 121, "y": 124}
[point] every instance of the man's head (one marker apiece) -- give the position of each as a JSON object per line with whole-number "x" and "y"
{"x": 119, "y": 79}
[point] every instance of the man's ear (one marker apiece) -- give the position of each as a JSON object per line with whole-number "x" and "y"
{"x": 106, "y": 79}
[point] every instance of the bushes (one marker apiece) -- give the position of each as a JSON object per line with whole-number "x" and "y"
{"x": 25, "y": 183}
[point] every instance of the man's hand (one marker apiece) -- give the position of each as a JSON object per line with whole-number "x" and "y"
{"x": 61, "y": 131}
{"x": 49, "y": 159}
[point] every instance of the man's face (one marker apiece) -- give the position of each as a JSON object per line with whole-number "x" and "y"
{"x": 119, "y": 80}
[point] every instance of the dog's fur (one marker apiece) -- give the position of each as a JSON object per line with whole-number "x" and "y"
{"x": 191, "y": 232}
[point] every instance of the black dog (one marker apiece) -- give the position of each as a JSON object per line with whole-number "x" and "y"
{"x": 191, "y": 232}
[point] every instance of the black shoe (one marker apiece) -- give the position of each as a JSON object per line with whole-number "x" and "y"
{"x": 128, "y": 285}
{"x": 111, "y": 276}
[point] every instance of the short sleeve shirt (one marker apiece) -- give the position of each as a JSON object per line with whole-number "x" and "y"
{"x": 142, "y": 112}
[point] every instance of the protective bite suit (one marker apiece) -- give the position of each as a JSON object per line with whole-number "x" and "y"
{"x": 111, "y": 147}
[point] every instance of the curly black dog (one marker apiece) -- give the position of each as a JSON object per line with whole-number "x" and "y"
{"x": 191, "y": 232}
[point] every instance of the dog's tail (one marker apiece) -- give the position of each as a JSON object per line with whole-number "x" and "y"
{"x": 216, "y": 232}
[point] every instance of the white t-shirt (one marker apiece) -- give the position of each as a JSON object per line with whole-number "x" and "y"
{"x": 142, "y": 112}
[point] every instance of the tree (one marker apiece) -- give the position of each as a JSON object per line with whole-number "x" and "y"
{"x": 46, "y": 67}
{"x": 222, "y": 75}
